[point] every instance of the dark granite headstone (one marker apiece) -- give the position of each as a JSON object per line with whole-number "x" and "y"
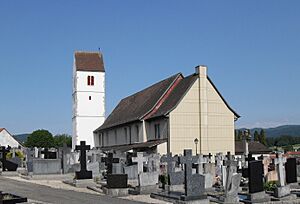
{"x": 48, "y": 154}
{"x": 83, "y": 173}
{"x": 6, "y": 165}
{"x": 174, "y": 178}
{"x": 193, "y": 183}
{"x": 291, "y": 170}
{"x": 256, "y": 172}
{"x": 109, "y": 160}
{"x": 117, "y": 181}
{"x": 245, "y": 171}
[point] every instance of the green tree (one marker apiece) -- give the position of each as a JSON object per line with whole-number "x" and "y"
{"x": 240, "y": 135}
{"x": 40, "y": 138}
{"x": 60, "y": 139}
{"x": 262, "y": 137}
{"x": 256, "y": 136}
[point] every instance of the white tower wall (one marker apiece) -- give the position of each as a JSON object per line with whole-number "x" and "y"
{"x": 88, "y": 105}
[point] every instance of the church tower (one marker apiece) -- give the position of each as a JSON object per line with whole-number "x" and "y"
{"x": 88, "y": 96}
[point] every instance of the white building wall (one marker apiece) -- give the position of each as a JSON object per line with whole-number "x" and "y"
{"x": 7, "y": 139}
{"x": 88, "y": 106}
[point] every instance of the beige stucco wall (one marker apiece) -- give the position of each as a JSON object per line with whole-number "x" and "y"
{"x": 217, "y": 130}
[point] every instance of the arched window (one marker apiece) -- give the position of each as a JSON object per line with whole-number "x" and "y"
{"x": 92, "y": 80}
{"x": 88, "y": 80}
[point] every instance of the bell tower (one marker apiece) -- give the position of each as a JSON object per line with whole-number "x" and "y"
{"x": 88, "y": 96}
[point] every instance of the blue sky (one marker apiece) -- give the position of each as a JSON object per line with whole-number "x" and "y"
{"x": 251, "y": 49}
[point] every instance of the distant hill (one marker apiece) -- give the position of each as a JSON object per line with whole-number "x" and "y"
{"x": 21, "y": 137}
{"x": 291, "y": 130}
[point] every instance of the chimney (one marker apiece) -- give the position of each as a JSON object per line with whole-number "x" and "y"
{"x": 201, "y": 70}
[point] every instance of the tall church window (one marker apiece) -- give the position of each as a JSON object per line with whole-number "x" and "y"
{"x": 137, "y": 133}
{"x": 157, "y": 131}
{"x": 125, "y": 132}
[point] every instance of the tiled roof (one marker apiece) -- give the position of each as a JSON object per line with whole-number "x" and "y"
{"x": 89, "y": 61}
{"x": 254, "y": 147}
{"x": 176, "y": 95}
{"x": 155, "y": 101}
{"x": 134, "y": 107}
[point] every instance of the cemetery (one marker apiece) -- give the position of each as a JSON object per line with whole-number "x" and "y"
{"x": 183, "y": 178}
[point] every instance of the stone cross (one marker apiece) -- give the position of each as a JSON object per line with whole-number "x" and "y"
{"x": 83, "y": 173}
{"x": 219, "y": 160}
{"x": 230, "y": 166}
{"x": 209, "y": 158}
{"x": 109, "y": 160}
{"x": 193, "y": 183}
{"x": 3, "y": 153}
{"x": 153, "y": 163}
{"x": 140, "y": 159}
{"x": 279, "y": 162}
{"x": 200, "y": 160}
{"x": 174, "y": 178}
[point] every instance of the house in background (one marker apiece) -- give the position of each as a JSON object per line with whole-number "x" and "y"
{"x": 255, "y": 148}
{"x": 169, "y": 115}
{"x": 7, "y": 139}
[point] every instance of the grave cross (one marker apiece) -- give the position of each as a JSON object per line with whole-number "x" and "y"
{"x": 3, "y": 153}
{"x": 140, "y": 159}
{"x": 191, "y": 181}
{"x": 82, "y": 148}
{"x": 200, "y": 160}
{"x": 209, "y": 158}
{"x": 279, "y": 162}
{"x": 109, "y": 160}
{"x": 230, "y": 166}
{"x": 169, "y": 160}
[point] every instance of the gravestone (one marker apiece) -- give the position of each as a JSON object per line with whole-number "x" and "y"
{"x": 291, "y": 170}
{"x": 6, "y": 165}
{"x": 48, "y": 154}
{"x": 153, "y": 163}
{"x": 219, "y": 161}
{"x": 109, "y": 160}
{"x": 281, "y": 190}
{"x": 200, "y": 161}
{"x": 245, "y": 171}
{"x": 83, "y": 173}
{"x": 256, "y": 189}
{"x": 117, "y": 181}
{"x": 29, "y": 158}
{"x": 174, "y": 178}
{"x": 232, "y": 181}
{"x": 140, "y": 159}
{"x": 193, "y": 183}
{"x": 66, "y": 151}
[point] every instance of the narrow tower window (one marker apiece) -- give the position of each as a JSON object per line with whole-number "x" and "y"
{"x": 92, "y": 80}
{"x": 89, "y": 80}
{"x": 90, "y": 98}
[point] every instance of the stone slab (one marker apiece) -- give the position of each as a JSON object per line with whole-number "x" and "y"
{"x": 81, "y": 183}
{"x": 145, "y": 189}
{"x": 174, "y": 197}
{"x": 117, "y": 181}
{"x": 283, "y": 191}
{"x": 47, "y": 166}
{"x": 115, "y": 192}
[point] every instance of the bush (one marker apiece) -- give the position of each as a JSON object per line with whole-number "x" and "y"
{"x": 270, "y": 185}
{"x": 18, "y": 154}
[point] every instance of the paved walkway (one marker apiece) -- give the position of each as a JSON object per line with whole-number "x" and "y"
{"x": 44, "y": 194}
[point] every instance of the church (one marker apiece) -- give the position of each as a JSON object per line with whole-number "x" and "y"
{"x": 179, "y": 112}
{"x": 88, "y": 96}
